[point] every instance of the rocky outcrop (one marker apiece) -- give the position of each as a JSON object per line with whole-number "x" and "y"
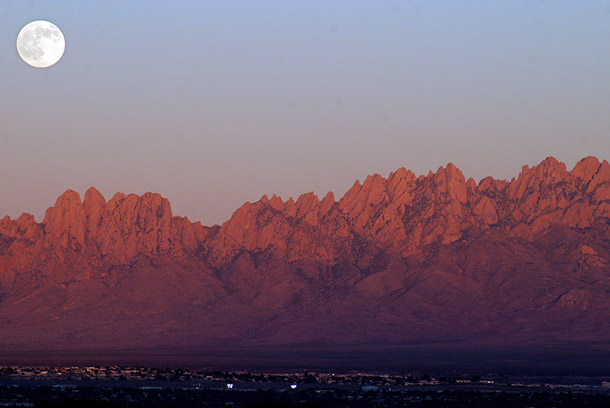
{"x": 497, "y": 258}
{"x": 403, "y": 214}
{"x": 120, "y": 229}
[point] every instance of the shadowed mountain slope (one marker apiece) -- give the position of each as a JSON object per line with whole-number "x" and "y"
{"x": 399, "y": 260}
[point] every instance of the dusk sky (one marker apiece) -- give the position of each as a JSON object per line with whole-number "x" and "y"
{"x": 214, "y": 103}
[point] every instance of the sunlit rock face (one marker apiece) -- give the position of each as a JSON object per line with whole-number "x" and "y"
{"x": 397, "y": 260}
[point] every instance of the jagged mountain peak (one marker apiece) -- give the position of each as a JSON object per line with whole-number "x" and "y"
{"x": 399, "y": 259}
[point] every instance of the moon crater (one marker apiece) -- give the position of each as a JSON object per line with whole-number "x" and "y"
{"x": 40, "y": 44}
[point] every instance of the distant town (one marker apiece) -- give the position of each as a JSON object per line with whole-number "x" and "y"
{"x": 119, "y": 386}
{"x": 183, "y": 375}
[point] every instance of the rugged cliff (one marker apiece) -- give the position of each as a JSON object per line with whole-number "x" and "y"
{"x": 397, "y": 260}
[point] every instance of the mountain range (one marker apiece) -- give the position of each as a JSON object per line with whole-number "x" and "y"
{"x": 402, "y": 260}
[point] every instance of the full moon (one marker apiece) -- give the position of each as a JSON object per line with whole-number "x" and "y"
{"x": 40, "y": 44}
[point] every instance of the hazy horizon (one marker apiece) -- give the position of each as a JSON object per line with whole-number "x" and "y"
{"x": 218, "y": 103}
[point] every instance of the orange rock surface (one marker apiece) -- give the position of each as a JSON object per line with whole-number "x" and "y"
{"x": 396, "y": 259}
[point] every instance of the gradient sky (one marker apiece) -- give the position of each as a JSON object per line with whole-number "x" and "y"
{"x": 214, "y": 103}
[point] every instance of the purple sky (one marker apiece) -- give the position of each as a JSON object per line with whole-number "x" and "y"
{"x": 215, "y": 103}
